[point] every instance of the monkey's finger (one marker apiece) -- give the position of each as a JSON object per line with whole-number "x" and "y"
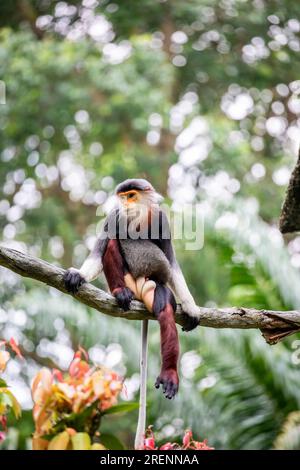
{"x": 189, "y": 323}
{"x": 171, "y": 390}
{"x": 67, "y": 276}
{"x": 124, "y": 297}
{"x": 158, "y": 382}
{"x": 78, "y": 281}
{"x": 175, "y": 389}
{"x": 73, "y": 280}
{"x": 164, "y": 386}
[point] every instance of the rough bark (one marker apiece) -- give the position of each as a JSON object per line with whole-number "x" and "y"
{"x": 290, "y": 214}
{"x": 275, "y": 325}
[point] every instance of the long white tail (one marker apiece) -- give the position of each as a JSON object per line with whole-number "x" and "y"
{"x": 140, "y": 430}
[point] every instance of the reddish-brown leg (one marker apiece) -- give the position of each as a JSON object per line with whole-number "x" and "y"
{"x": 164, "y": 307}
{"x": 114, "y": 270}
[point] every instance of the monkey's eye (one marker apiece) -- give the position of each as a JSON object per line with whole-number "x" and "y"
{"x": 130, "y": 196}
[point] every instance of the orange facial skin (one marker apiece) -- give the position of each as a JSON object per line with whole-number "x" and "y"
{"x": 129, "y": 197}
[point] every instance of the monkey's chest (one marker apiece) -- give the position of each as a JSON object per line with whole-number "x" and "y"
{"x": 145, "y": 259}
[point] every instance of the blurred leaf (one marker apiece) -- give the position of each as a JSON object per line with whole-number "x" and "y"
{"x": 2, "y": 383}
{"x": 122, "y": 408}
{"x": 12, "y": 401}
{"x": 111, "y": 442}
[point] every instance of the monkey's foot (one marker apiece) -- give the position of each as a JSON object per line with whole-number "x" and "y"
{"x": 123, "y": 296}
{"x": 170, "y": 383}
{"x": 189, "y": 323}
{"x": 73, "y": 280}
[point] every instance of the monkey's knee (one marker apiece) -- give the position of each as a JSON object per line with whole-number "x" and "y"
{"x": 147, "y": 294}
{"x": 142, "y": 288}
{"x": 130, "y": 283}
{"x": 163, "y": 296}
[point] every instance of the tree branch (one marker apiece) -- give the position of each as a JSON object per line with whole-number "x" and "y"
{"x": 275, "y": 325}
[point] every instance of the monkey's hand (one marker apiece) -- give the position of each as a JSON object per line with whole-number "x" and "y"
{"x": 73, "y": 280}
{"x": 168, "y": 378}
{"x": 191, "y": 316}
{"x": 123, "y": 296}
{"x": 189, "y": 323}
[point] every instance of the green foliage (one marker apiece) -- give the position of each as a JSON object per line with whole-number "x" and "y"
{"x": 122, "y": 408}
{"x": 110, "y": 441}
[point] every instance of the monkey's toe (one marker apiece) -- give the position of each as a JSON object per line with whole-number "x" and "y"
{"x": 73, "y": 280}
{"x": 189, "y": 323}
{"x": 123, "y": 297}
{"x": 169, "y": 382}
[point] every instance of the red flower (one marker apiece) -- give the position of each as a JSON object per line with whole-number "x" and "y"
{"x": 202, "y": 445}
{"x": 58, "y": 375}
{"x": 187, "y": 442}
{"x": 187, "y": 438}
{"x": 149, "y": 444}
{"x": 15, "y": 348}
{"x": 167, "y": 446}
{"x": 3, "y": 422}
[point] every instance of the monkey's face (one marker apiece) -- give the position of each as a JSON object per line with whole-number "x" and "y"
{"x": 129, "y": 199}
{"x": 138, "y": 202}
{"x": 136, "y": 205}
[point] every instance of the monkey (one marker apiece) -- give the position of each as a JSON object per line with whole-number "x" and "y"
{"x": 135, "y": 252}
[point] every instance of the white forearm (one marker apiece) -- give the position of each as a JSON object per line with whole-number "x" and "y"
{"x": 181, "y": 290}
{"x": 180, "y": 287}
{"x": 91, "y": 268}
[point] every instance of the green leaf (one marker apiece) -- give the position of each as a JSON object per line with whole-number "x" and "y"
{"x": 75, "y": 420}
{"x": 12, "y": 401}
{"x": 122, "y": 408}
{"x": 111, "y": 442}
{"x": 3, "y": 383}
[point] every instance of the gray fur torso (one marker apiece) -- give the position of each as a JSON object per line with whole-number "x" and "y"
{"x": 144, "y": 258}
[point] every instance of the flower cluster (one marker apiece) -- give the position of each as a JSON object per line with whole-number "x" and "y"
{"x": 188, "y": 443}
{"x": 7, "y": 399}
{"x": 68, "y": 408}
